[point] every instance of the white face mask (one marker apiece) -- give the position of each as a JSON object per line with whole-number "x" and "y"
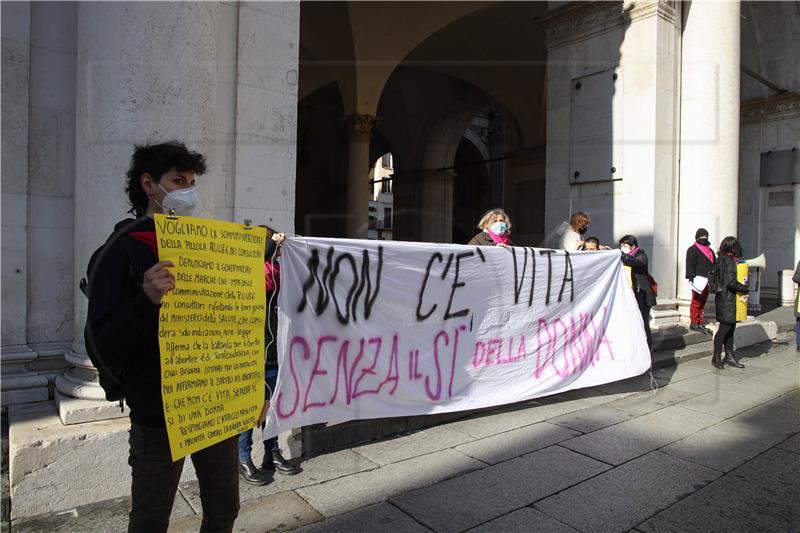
{"x": 498, "y": 228}
{"x": 626, "y": 249}
{"x": 182, "y": 201}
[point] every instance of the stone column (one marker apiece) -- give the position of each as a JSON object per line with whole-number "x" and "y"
{"x": 359, "y": 132}
{"x": 437, "y": 205}
{"x": 709, "y": 126}
{"x": 133, "y": 87}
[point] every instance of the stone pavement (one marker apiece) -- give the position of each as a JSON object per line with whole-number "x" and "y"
{"x": 710, "y": 450}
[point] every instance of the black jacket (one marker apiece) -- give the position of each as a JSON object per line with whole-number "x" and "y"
{"x": 697, "y": 264}
{"x": 483, "y": 239}
{"x": 123, "y": 323}
{"x": 638, "y": 263}
{"x": 725, "y": 301}
{"x": 796, "y": 279}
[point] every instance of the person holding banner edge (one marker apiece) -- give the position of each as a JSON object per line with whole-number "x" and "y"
{"x": 273, "y": 458}
{"x": 122, "y": 329}
{"x": 636, "y": 258}
{"x": 495, "y": 226}
{"x": 728, "y": 256}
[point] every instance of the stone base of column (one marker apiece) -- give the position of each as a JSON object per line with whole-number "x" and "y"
{"x": 78, "y": 411}
{"x": 79, "y": 396}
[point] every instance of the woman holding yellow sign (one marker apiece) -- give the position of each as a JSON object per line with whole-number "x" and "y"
{"x": 730, "y": 292}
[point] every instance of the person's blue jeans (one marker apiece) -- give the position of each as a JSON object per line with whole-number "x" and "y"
{"x": 246, "y": 438}
{"x": 797, "y": 332}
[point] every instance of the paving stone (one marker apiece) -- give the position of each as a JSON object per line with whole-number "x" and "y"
{"x": 381, "y": 517}
{"x": 751, "y": 369}
{"x": 732, "y": 442}
{"x": 703, "y": 383}
{"x": 647, "y": 402}
{"x": 623, "y": 442}
{"x": 594, "y": 418}
{"x": 407, "y": 446}
{"x": 109, "y": 515}
{"x": 315, "y": 470}
{"x": 525, "y": 519}
{"x": 787, "y": 376}
{"x": 673, "y": 374}
{"x": 635, "y": 384}
{"x": 276, "y": 512}
{"x": 474, "y": 498}
{"x": 730, "y": 400}
{"x": 537, "y": 411}
{"x": 761, "y": 495}
{"x": 516, "y": 442}
{"x": 791, "y": 444}
{"x": 347, "y": 493}
{"x": 618, "y": 499}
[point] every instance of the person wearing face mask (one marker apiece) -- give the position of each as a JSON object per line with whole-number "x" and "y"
{"x": 636, "y": 258}
{"x": 495, "y": 226}
{"x": 730, "y": 290}
{"x": 572, "y": 239}
{"x": 700, "y": 261}
{"x": 126, "y": 285}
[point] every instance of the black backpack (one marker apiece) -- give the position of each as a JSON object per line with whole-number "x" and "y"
{"x": 109, "y": 369}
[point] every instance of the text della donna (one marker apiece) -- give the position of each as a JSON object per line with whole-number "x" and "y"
{"x": 437, "y": 369}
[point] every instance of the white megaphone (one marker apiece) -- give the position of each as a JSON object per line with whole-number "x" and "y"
{"x": 754, "y": 282}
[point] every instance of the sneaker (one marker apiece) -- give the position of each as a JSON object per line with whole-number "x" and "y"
{"x": 279, "y": 464}
{"x": 696, "y": 327}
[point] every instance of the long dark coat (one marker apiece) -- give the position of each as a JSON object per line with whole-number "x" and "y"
{"x": 725, "y": 301}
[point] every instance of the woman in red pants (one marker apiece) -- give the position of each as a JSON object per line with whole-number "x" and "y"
{"x": 700, "y": 260}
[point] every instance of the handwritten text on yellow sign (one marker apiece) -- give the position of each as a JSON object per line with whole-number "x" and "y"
{"x": 211, "y": 330}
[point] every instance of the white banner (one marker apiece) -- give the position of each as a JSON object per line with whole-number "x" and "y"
{"x": 372, "y": 329}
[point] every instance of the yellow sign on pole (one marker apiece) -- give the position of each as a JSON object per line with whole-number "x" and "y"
{"x": 741, "y": 302}
{"x": 211, "y": 330}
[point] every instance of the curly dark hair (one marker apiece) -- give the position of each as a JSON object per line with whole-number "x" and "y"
{"x": 157, "y": 160}
{"x": 730, "y": 246}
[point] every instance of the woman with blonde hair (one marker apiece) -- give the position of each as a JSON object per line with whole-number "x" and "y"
{"x": 572, "y": 239}
{"x": 495, "y": 226}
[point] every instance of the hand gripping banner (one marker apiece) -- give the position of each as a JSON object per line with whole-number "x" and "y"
{"x": 372, "y": 329}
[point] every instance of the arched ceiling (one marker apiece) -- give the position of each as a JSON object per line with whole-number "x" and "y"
{"x": 500, "y": 50}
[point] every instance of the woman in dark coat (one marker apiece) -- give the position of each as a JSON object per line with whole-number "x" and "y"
{"x": 730, "y": 251}
{"x": 636, "y": 258}
{"x": 495, "y": 228}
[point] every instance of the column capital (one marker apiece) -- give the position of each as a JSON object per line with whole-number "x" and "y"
{"x": 359, "y": 127}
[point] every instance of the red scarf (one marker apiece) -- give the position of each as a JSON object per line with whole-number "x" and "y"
{"x": 498, "y": 239}
{"x": 706, "y": 251}
{"x": 270, "y": 269}
{"x": 147, "y": 237}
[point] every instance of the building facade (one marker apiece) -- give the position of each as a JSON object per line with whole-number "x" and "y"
{"x": 657, "y": 117}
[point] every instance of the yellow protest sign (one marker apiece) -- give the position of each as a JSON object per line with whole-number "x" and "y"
{"x": 628, "y": 274}
{"x": 211, "y": 330}
{"x": 741, "y": 303}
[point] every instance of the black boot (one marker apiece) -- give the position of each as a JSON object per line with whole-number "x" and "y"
{"x": 717, "y": 362}
{"x": 251, "y": 474}
{"x": 731, "y": 360}
{"x": 275, "y": 461}
{"x": 696, "y": 327}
